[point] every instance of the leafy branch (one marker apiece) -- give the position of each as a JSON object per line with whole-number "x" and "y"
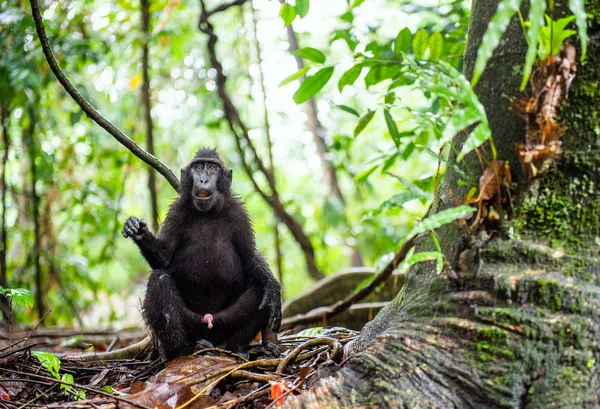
{"x": 91, "y": 112}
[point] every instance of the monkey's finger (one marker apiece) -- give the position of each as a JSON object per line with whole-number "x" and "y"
{"x": 135, "y": 222}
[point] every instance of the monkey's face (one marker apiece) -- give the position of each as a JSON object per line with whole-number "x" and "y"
{"x": 205, "y": 175}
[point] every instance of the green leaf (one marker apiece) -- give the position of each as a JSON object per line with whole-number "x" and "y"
{"x": 298, "y": 74}
{"x": 363, "y": 122}
{"x": 491, "y": 38}
{"x": 420, "y": 43}
{"x": 576, "y": 7}
{"x": 309, "y": 53}
{"x": 20, "y": 296}
{"x": 349, "y": 110}
{"x": 389, "y": 162}
{"x": 426, "y": 256}
{"x": 67, "y": 377}
{"x": 362, "y": 176}
{"x": 392, "y": 128}
{"x": 302, "y": 7}
{"x": 477, "y": 138}
{"x": 349, "y": 76}
{"x": 439, "y": 219}
{"x": 107, "y": 388}
{"x": 287, "y": 13}
{"x": 536, "y": 20}
{"x": 356, "y": 3}
{"x": 48, "y": 361}
{"x": 459, "y": 120}
{"x": 402, "y": 42}
{"x": 436, "y": 46}
{"x": 311, "y": 332}
{"x": 313, "y": 84}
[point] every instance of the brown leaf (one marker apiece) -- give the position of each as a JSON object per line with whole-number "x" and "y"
{"x": 495, "y": 175}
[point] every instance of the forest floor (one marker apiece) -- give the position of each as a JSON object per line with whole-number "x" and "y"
{"x": 54, "y": 368}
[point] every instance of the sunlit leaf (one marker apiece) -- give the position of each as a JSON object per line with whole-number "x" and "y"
{"x": 554, "y": 33}
{"x": 392, "y": 127}
{"x": 420, "y": 43}
{"x": 67, "y": 377}
{"x": 136, "y": 80}
{"x": 298, "y": 74}
{"x": 313, "y": 84}
{"x": 441, "y": 218}
{"x": 477, "y": 138}
{"x": 536, "y": 19}
{"x": 309, "y": 53}
{"x": 302, "y": 7}
{"x": 496, "y": 28}
{"x": 436, "y": 46}
{"x": 349, "y": 110}
{"x": 20, "y": 296}
{"x": 398, "y": 200}
{"x": 576, "y": 7}
{"x": 349, "y": 76}
{"x": 402, "y": 42}
{"x": 356, "y": 3}
{"x": 363, "y": 122}
{"x": 287, "y": 13}
{"x": 389, "y": 162}
{"x": 362, "y": 176}
{"x": 48, "y": 361}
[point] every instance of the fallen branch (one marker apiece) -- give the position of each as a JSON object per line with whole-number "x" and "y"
{"x": 343, "y": 305}
{"x": 91, "y": 112}
{"x": 130, "y": 351}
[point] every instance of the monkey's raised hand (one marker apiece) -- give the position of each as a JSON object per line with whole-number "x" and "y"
{"x": 134, "y": 228}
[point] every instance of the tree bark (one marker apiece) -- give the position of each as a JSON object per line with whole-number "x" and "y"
{"x": 516, "y": 323}
{"x": 145, "y": 9}
{"x": 35, "y": 215}
{"x": 4, "y": 122}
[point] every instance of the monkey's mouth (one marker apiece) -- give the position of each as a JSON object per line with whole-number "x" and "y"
{"x": 203, "y": 194}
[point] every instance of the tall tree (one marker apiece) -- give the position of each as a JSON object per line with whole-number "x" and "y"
{"x": 4, "y": 119}
{"x": 145, "y": 9}
{"x": 514, "y": 324}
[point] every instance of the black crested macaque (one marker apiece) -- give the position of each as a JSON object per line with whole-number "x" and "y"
{"x": 208, "y": 281}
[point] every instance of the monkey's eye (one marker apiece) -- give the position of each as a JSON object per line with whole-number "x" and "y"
{"x": 199, "y": 167}
{"x": 212, "y": 168}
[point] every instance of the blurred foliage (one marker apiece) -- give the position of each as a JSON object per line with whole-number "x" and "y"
{"x": 386, "y": 160}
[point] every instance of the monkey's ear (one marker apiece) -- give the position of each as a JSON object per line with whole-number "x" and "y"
{"x": 230, "y": 174}
{"x": 183, "y": 173}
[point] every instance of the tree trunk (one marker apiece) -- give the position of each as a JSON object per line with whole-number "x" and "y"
{"x": 267, "y": 125}
{"x": 516, "y": 325}
{"x": 4, "y": 121}
{"x": 35, "y": 215}
{"x": 145, "y": 9}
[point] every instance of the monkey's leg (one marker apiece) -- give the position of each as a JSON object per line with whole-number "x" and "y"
{"x": 164, "y": 312}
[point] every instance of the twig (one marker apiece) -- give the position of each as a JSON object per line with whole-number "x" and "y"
{"x": 91, "y": 112}
{"x": 224, "y": 7}
{"x": 74, "y": 385}
{"x": 333, "y": 343}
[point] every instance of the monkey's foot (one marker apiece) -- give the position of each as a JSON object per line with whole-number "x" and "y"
{"x": 203, "y": 344}
{"x": 269, "y": 350}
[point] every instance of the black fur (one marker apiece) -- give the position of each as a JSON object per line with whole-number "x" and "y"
{"x": 205, "y": 261}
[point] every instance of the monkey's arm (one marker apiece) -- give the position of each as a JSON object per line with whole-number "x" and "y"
{"x": 257, "y": 270}
{"x": 156, "y": 251}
